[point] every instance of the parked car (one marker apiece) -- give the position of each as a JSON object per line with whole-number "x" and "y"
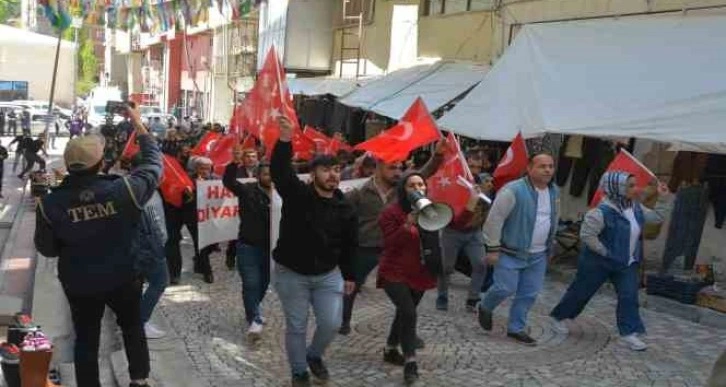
{"x": 145, "y": 110}
{"x": 38, "y": 109}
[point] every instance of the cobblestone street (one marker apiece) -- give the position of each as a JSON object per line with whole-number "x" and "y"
{"x": 208, "y": 320}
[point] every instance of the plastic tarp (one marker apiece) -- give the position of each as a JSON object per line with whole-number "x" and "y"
{"x": 662, "y": 78}
{"x": 321, "y": 86}
{"x": 437, "y": 84}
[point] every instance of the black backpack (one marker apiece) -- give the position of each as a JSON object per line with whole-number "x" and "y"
{"x": 431, "y": 255}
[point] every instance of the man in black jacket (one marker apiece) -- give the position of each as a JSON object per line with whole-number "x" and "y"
{"x": 253, "y": 244}
{"x": 318, "y": 238}
{"x": 244, "y": 163}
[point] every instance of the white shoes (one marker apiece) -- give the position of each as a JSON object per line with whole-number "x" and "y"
{"x": 559, "y": 326}
{"x": 152, "y": 332}
{"x": 254, "y": 332}
{"x": 635, "y": 343}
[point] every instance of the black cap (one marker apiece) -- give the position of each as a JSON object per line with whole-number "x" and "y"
{"x": 324, "y": 161}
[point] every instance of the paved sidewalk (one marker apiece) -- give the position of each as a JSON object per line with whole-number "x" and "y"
{"x": 209, "y": 321}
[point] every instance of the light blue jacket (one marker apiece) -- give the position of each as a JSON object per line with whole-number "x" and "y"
{"x": 510, "y": 224}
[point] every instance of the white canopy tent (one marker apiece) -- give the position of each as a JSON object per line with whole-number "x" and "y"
{"x": 437, "y": 84}
{"x": 661, "y": 78}
{"x": 323, "y": 85}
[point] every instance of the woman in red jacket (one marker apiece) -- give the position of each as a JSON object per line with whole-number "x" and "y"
{"x": 402, "y": 275}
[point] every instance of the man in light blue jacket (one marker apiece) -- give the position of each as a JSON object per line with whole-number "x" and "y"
{"x": 519, "y": 232}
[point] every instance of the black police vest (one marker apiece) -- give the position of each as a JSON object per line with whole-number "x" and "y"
{"x": 95, "y": 221}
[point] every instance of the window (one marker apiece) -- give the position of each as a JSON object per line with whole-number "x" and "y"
{"x": 447, "y": 7}
{"x": 351, "y": 9}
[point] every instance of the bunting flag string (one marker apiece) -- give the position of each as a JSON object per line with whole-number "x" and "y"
{"x": 147, "y": 15}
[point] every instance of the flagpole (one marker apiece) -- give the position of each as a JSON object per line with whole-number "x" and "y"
{"x": 52, "y": 90}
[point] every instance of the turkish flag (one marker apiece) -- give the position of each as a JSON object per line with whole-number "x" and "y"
{"x": 444, "y": 186}
{"x": 303, "y": 147}
{"x": 514, "y": 163}
{"x": 626, "y": 162}
{"x": 249, "y": 143}
{"x": 174, "y": 182}
{"x": 268, "y": 100}
{"x": 322, "y": 142}
{"x": 415, "y": 129}
{"x": 206, "y": 143}
{"x": 335, "y": 145}
{"x": 131, "y": 148}
{"x": 221, "y": 152}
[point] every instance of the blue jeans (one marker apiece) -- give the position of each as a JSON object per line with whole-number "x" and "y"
{"x": 297, "y": 292}
{"x": 471, "y": 244}
{"x": 253, "y": 265}
{"x": 592, "y": 272}
{"x": 156, "y": 273}
{"x": 522, "y": 278}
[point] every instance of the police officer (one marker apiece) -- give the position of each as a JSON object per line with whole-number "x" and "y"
{"x": 13, "y": 122}
{"x": 91, "y": 222}
{"x": 25, "y": 121}
{"x": 2, "y": 123}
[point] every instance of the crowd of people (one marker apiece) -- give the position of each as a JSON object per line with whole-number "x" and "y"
{"x": 329, "y": 243}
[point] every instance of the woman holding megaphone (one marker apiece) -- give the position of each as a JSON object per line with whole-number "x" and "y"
{"x": 402, "y": 274}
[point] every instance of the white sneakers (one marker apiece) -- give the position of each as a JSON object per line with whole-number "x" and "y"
{"x": 254, "y": 332}
{"x": 634, "y": 342}
{"x": 152, "y": 332}
{"x": 559, "y": 326}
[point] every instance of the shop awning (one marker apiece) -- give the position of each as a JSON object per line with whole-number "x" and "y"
{"x": 438, "y": 83}
{"x": 658, "y": 77}
{"x": 322, "y": 86}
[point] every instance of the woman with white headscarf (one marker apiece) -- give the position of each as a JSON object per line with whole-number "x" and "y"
{"x": 613, "y": 249}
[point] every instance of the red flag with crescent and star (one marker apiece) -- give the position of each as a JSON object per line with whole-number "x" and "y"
{"x": 415, "y": 129}
{"x": 322, "y": 142}
{"x": 221, "y": 152}
{"x": 444, "y": 186}
{"x": 335, "y": 145}
{"x": 514, "y": 163}
{"x": 268, "y": 100}
{"x": 131, "y": 148}
{"x": 303, "y": 147}
{"x": 206, "y": 143}
{"x": 174, "y": 182}
{"x": 626, "y": 162}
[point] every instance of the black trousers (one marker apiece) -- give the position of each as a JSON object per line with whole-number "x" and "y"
{"x": 176, "y": 218}
{"x": 403, "y": 329}
{"x": 2, "y": 171}
{"x": 32, "y": 158}
{"x": 87, "y": 313}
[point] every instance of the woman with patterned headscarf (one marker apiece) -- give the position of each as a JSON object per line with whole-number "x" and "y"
{"x": 612, "y": 235}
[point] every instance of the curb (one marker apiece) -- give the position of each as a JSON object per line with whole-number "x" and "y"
{"x": 693, "y": 313}
{"x": 17, "y": 267}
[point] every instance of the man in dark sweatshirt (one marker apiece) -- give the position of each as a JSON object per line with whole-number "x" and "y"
{"x": 318, "y": 238}
{"x": 253, "y": 243}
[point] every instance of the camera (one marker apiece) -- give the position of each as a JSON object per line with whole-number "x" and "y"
{"x": 118, "y": 107}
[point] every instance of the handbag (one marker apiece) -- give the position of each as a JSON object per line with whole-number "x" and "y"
{"x": 431, "y": 255}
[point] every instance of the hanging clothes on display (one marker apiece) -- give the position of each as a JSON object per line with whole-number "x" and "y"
{"x": 715, "y": 175}
{"x": 686, "y": 227}
{"x": 606, "y": 151}
{"x": 591, "y": 149}
{"x": 570, "y": 150}
{"x": 688, "y": 167}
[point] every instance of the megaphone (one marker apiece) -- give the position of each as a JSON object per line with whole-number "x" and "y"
{"x": 431, "y": 216}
